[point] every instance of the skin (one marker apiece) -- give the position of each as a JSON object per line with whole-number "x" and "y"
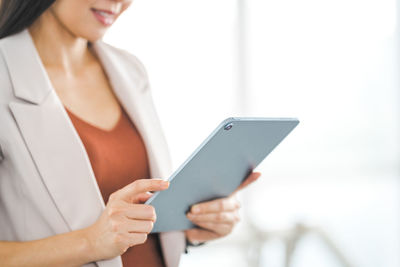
{"x": 61, "y": 36}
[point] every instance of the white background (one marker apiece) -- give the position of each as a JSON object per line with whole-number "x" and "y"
{"x": 332, "y": 64}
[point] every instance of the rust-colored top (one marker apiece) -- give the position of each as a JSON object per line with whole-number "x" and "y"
{"x": 118, "y": 157}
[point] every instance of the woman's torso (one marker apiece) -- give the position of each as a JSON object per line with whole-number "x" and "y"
{"x": 42, "y": 195}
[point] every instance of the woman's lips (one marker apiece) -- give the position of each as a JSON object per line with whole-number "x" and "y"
{"x": 105, "y": 17}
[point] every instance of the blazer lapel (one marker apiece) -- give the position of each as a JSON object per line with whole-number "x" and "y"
{"x": 130, "y": 88}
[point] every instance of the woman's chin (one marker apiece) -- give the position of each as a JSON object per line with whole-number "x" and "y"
{"x": 92, "y": 35}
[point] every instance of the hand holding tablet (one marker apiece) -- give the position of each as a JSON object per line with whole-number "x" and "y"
{"x": 217, "y": 167}
{"x": 217, "y": 217}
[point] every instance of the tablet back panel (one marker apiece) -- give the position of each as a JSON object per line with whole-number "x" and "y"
{"x": 217, "y": 167}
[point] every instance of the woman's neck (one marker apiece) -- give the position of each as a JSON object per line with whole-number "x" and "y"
{"x": 58, "y": 48}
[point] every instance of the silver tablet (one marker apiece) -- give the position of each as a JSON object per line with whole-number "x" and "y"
{"x": 217, "y": 167}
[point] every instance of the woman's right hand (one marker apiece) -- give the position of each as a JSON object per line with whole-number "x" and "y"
{"x": 125, "y": 222}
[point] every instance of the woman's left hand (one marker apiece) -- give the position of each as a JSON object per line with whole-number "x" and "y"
{"x": 217, "y": 217}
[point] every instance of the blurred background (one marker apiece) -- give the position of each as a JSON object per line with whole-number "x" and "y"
{"x": 329, "y": 195}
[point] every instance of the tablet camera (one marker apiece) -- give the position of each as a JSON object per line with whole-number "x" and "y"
{"x": 228, "y": 126}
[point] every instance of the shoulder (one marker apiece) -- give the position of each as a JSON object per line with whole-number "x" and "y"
{"x": 3, "y": 64}
{"x": 16, "y": 51}
{"x": 5, "y": 81}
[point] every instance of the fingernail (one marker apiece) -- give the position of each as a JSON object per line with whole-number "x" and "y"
{"x": 196, "y": 209}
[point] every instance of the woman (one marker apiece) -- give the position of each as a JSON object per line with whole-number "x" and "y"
{"x": 78, "y": 125}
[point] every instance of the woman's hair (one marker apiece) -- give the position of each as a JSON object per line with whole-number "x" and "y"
{"x": 16, "y": 15}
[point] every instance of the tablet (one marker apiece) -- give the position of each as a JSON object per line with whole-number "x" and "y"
{"x": 217, "y": 167}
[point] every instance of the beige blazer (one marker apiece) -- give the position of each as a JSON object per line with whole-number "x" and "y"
{"x": 47, "y": 185}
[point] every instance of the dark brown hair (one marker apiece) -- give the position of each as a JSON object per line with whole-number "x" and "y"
{"x": 16, "y": 15}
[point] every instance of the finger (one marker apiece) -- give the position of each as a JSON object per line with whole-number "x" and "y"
{"x": 137, "y": 226}
{"x": 217, "y": 205}
{"x": 219, "y": 228}
{"x": 129, "y": 192}
{"x": 220, "y": 217}
{"x": 252, "y": 177}
{"x": 135, "y": 238}
{"x": 141, "y": 212}
{"x": 201, "y": 235}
